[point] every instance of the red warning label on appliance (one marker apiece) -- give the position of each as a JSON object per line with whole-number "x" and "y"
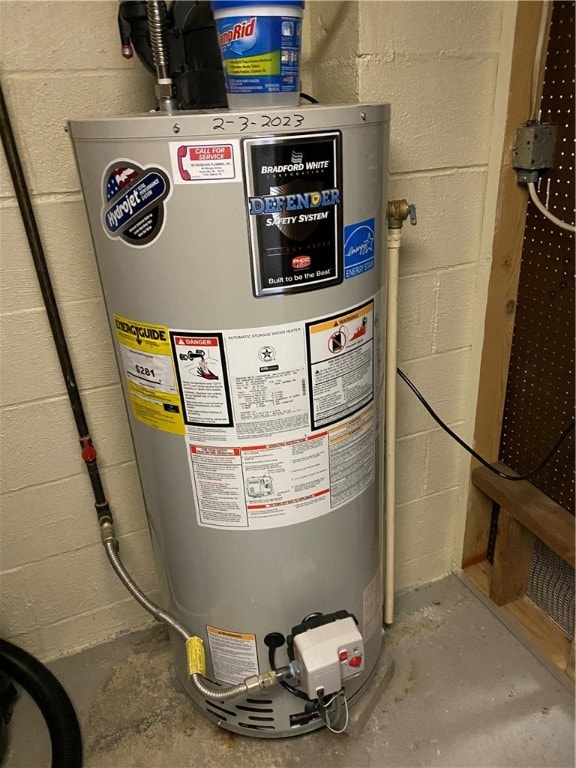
{"x": 200, "y": 364}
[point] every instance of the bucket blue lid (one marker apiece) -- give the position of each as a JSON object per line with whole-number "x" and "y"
{"x": 219, "y": 5}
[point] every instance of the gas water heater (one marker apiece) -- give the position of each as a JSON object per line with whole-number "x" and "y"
{"x": 241, "y": 258}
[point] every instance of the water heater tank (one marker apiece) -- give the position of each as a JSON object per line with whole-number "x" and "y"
{"x": 241, "y": 258}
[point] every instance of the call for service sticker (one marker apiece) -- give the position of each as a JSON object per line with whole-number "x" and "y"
{"x": 134, "y": 198}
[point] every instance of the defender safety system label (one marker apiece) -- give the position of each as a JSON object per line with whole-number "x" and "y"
{"x": 294, "y": 205}
{"x": 134, "y": 198}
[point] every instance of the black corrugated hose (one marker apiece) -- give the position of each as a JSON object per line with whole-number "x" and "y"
{"x": 52, "y": 700}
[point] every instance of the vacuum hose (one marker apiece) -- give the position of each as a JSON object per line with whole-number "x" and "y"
{"x": 52, "y": 700}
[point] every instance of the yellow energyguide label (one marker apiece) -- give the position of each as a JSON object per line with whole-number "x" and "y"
{"x": 195, "y": 656}
{"x": 148, "y": 366}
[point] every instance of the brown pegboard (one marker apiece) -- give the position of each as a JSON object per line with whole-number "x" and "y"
{"x": 540, "y": 396}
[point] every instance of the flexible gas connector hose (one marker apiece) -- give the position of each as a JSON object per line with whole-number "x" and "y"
{"x": 542, "y": 208}
{"x": 211, "y": 691}
{"x": 138, "y": 595}
{"x": 156, "y": 12}
{"x": 194, "y": 645}
{"x": 157, "y": 26}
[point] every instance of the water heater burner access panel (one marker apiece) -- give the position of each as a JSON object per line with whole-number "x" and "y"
{"x": 294, "y": 207}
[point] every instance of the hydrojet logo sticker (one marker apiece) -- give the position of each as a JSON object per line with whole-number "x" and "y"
{"x": 134, "y": 202}
{"x": 358, "y": 248}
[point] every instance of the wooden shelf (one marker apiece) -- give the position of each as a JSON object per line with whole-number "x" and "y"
{"x": 537, "y": 512}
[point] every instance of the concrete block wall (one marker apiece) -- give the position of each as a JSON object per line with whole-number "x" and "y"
{"x": 437, "y": 63}
{"x": 60, "y": 60}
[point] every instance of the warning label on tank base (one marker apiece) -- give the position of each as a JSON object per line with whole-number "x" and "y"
{"x": 234, "y": 655}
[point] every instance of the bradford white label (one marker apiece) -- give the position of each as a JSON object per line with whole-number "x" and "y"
{"x": 294, "y": 207}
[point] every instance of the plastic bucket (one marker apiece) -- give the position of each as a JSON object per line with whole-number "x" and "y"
{"x": 260, "y": 49}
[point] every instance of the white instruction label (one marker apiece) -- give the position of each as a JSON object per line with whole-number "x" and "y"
{"x": 268, "y": 381}
{"x": 234, "y": 655}
{"x": 261, "y": 486}
{"x": 279, "y": 420}
{"x": 352, "y": 456}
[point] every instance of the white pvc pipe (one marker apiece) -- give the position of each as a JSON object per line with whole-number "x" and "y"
{"x": 542, "y": 208}
{"x": 394, "y": 237}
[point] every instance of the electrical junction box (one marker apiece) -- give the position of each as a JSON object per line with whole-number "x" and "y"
{"x": 328, "y": 655}
{"x": 534, "y": 149}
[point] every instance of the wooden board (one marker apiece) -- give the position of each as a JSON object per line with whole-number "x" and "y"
{"x": 504, "y": 277}
{"x": 512, "y": 560}
{"x": 526, "y": 620}
{"x": 537, "y": 512}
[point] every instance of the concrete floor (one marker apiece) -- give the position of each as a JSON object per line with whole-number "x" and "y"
{"x": 465, "y": 693}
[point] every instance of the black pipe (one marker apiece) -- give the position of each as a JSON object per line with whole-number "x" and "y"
{"x": 52, "y": 700}
{"x": 39, "y": 258}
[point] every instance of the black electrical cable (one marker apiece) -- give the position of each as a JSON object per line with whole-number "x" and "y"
{"x": 311, "y": 99}
{"x": 555, "y": 448}
{"x": 283, "y": 683}
{"x": 52, "y": 700}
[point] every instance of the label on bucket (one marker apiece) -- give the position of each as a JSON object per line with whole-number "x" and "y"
{"x": 260, "y": 54}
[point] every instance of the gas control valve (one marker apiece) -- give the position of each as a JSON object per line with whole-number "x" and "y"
{"x": 328, "y": 649}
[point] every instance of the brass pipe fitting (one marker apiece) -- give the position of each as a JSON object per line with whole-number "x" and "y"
{"x": 399, "y": 211}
